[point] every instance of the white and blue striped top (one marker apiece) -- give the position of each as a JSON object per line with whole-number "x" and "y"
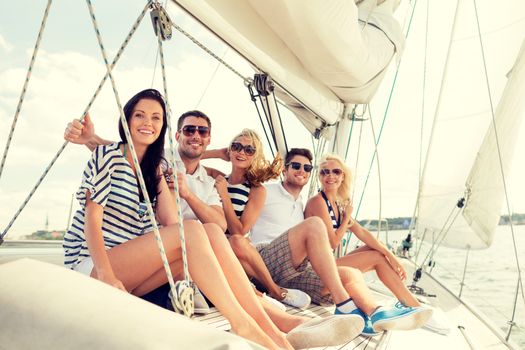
{"x": 112, "y": 184}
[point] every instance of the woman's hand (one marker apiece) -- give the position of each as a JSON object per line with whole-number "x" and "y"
{"x": 397, "y": 266}
{"x": 221, "y": 184}
{"x": 110, "y": 279}
{"x": 347, "y": 214}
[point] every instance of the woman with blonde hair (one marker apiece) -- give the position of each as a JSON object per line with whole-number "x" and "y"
{"x": 334, "y": 206}
{"x": 243, "y": 197}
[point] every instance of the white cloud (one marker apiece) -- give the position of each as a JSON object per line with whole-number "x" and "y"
{"x": 5, "y": 45}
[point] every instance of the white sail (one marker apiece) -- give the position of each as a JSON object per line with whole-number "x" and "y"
{"x": 319, "y": 54}
{"x": 485, "y": 182}
{"x": 458, "y": 129}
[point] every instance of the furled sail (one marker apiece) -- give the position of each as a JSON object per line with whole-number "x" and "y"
{"x": 321, "y": 54}
{"x": 465, "y": 214}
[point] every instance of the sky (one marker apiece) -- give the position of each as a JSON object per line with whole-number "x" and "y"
{"x": 69, "y": 66}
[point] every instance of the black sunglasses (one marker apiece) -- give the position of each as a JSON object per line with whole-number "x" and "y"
{"x": 297, "y": 166}
{"x": 190, "y": 130}
{"x": 326, "y": 172}
{"x": 249, "y": 150}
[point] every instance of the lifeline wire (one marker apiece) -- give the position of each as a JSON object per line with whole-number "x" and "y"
{"x": 24, "y": 88}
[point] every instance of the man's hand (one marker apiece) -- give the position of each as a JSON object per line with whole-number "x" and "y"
{"x": 168, "y": 175}
{"x": 80, "y": 132}
{"x": 184, "y": 191}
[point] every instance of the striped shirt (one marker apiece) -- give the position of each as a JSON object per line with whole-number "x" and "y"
{"x": 239, "y": 196}
{"x": 113, "y": 185}
{"x": 336, "y": 221}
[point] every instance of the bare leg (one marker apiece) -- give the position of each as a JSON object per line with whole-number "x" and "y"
{"x": 283, "y": 320}
{"x": 203, "y": 265}
{"x": 253, "y": 264}
{"x": 240, "y": 284}
{"x": 309, "y": 239}
{"x": 370, "y": 259}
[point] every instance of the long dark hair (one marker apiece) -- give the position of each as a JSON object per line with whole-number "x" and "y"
{"x": 154, "y": 153}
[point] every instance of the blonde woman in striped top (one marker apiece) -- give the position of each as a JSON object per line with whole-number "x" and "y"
{"x": 243, "y": 197}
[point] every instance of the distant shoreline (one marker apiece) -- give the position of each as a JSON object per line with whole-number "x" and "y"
{"x": 394, "y": 224}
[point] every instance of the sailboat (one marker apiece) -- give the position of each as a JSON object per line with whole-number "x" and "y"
{"x": 318, "y": 62}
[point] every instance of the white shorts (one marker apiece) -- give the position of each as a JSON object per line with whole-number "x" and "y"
{"x": 85, "y": 266}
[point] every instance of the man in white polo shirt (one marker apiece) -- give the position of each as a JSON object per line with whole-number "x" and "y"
{"x": 298, "y": 255}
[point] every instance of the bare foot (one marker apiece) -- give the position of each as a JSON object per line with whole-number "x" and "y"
{"x": 281, "y": 341}
{"x": 251, "y": 331}
{"x": 292, "y": 321}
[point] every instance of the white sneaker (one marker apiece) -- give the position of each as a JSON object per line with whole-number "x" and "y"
{"x": 438, "y": 322}
{"x": 329, "y": 331}
{"x": 200, "y": 304}
{"x": 274, "y": 302}
{"x": 296, "y": 298}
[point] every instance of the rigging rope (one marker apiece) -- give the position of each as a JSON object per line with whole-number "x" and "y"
{"x": 357, "y": 156}
{"x": 436, "y": 112}
{"x": 423, "y": 89}
{"x": 182, "y": 292}
{"x": 88, "y": 107}
{"x": 280, "y": 122}
{"x": 496, "y": 137}
{"x": 24, "y": 88}
{"x": 210, "y": 80}
{"x": 210, "y": 52}
{"x": 379, "y": 221}
{"x": 133, "y": 153}
{"x": 384, "y": 116}
{"x": 253, "y": 97}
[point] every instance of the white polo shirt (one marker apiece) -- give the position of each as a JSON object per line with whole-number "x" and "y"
{"x": 280, "y": 212}
{"x": 199, "y": 183}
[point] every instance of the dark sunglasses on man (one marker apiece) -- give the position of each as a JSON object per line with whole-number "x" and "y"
{"x": 296, "y": 166}
{"x": 249, "y": 150}
{"x": 190, "y": 130}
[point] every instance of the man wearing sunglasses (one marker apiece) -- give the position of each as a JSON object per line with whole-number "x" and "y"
{"x": 298, "y": 254}
{"x": 200, "y": 198}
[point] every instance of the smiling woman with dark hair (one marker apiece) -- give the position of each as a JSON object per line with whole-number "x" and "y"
{"x": 111, "y": 237}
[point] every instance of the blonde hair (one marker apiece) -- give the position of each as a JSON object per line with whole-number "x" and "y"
{"x": 260, "y": 170}
{"x": 343, "y": 192}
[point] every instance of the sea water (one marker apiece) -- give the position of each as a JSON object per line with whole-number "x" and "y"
{"x": 491, "y": 276}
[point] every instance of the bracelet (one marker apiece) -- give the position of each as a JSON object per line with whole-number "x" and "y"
{"x": 351, "y": 223}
